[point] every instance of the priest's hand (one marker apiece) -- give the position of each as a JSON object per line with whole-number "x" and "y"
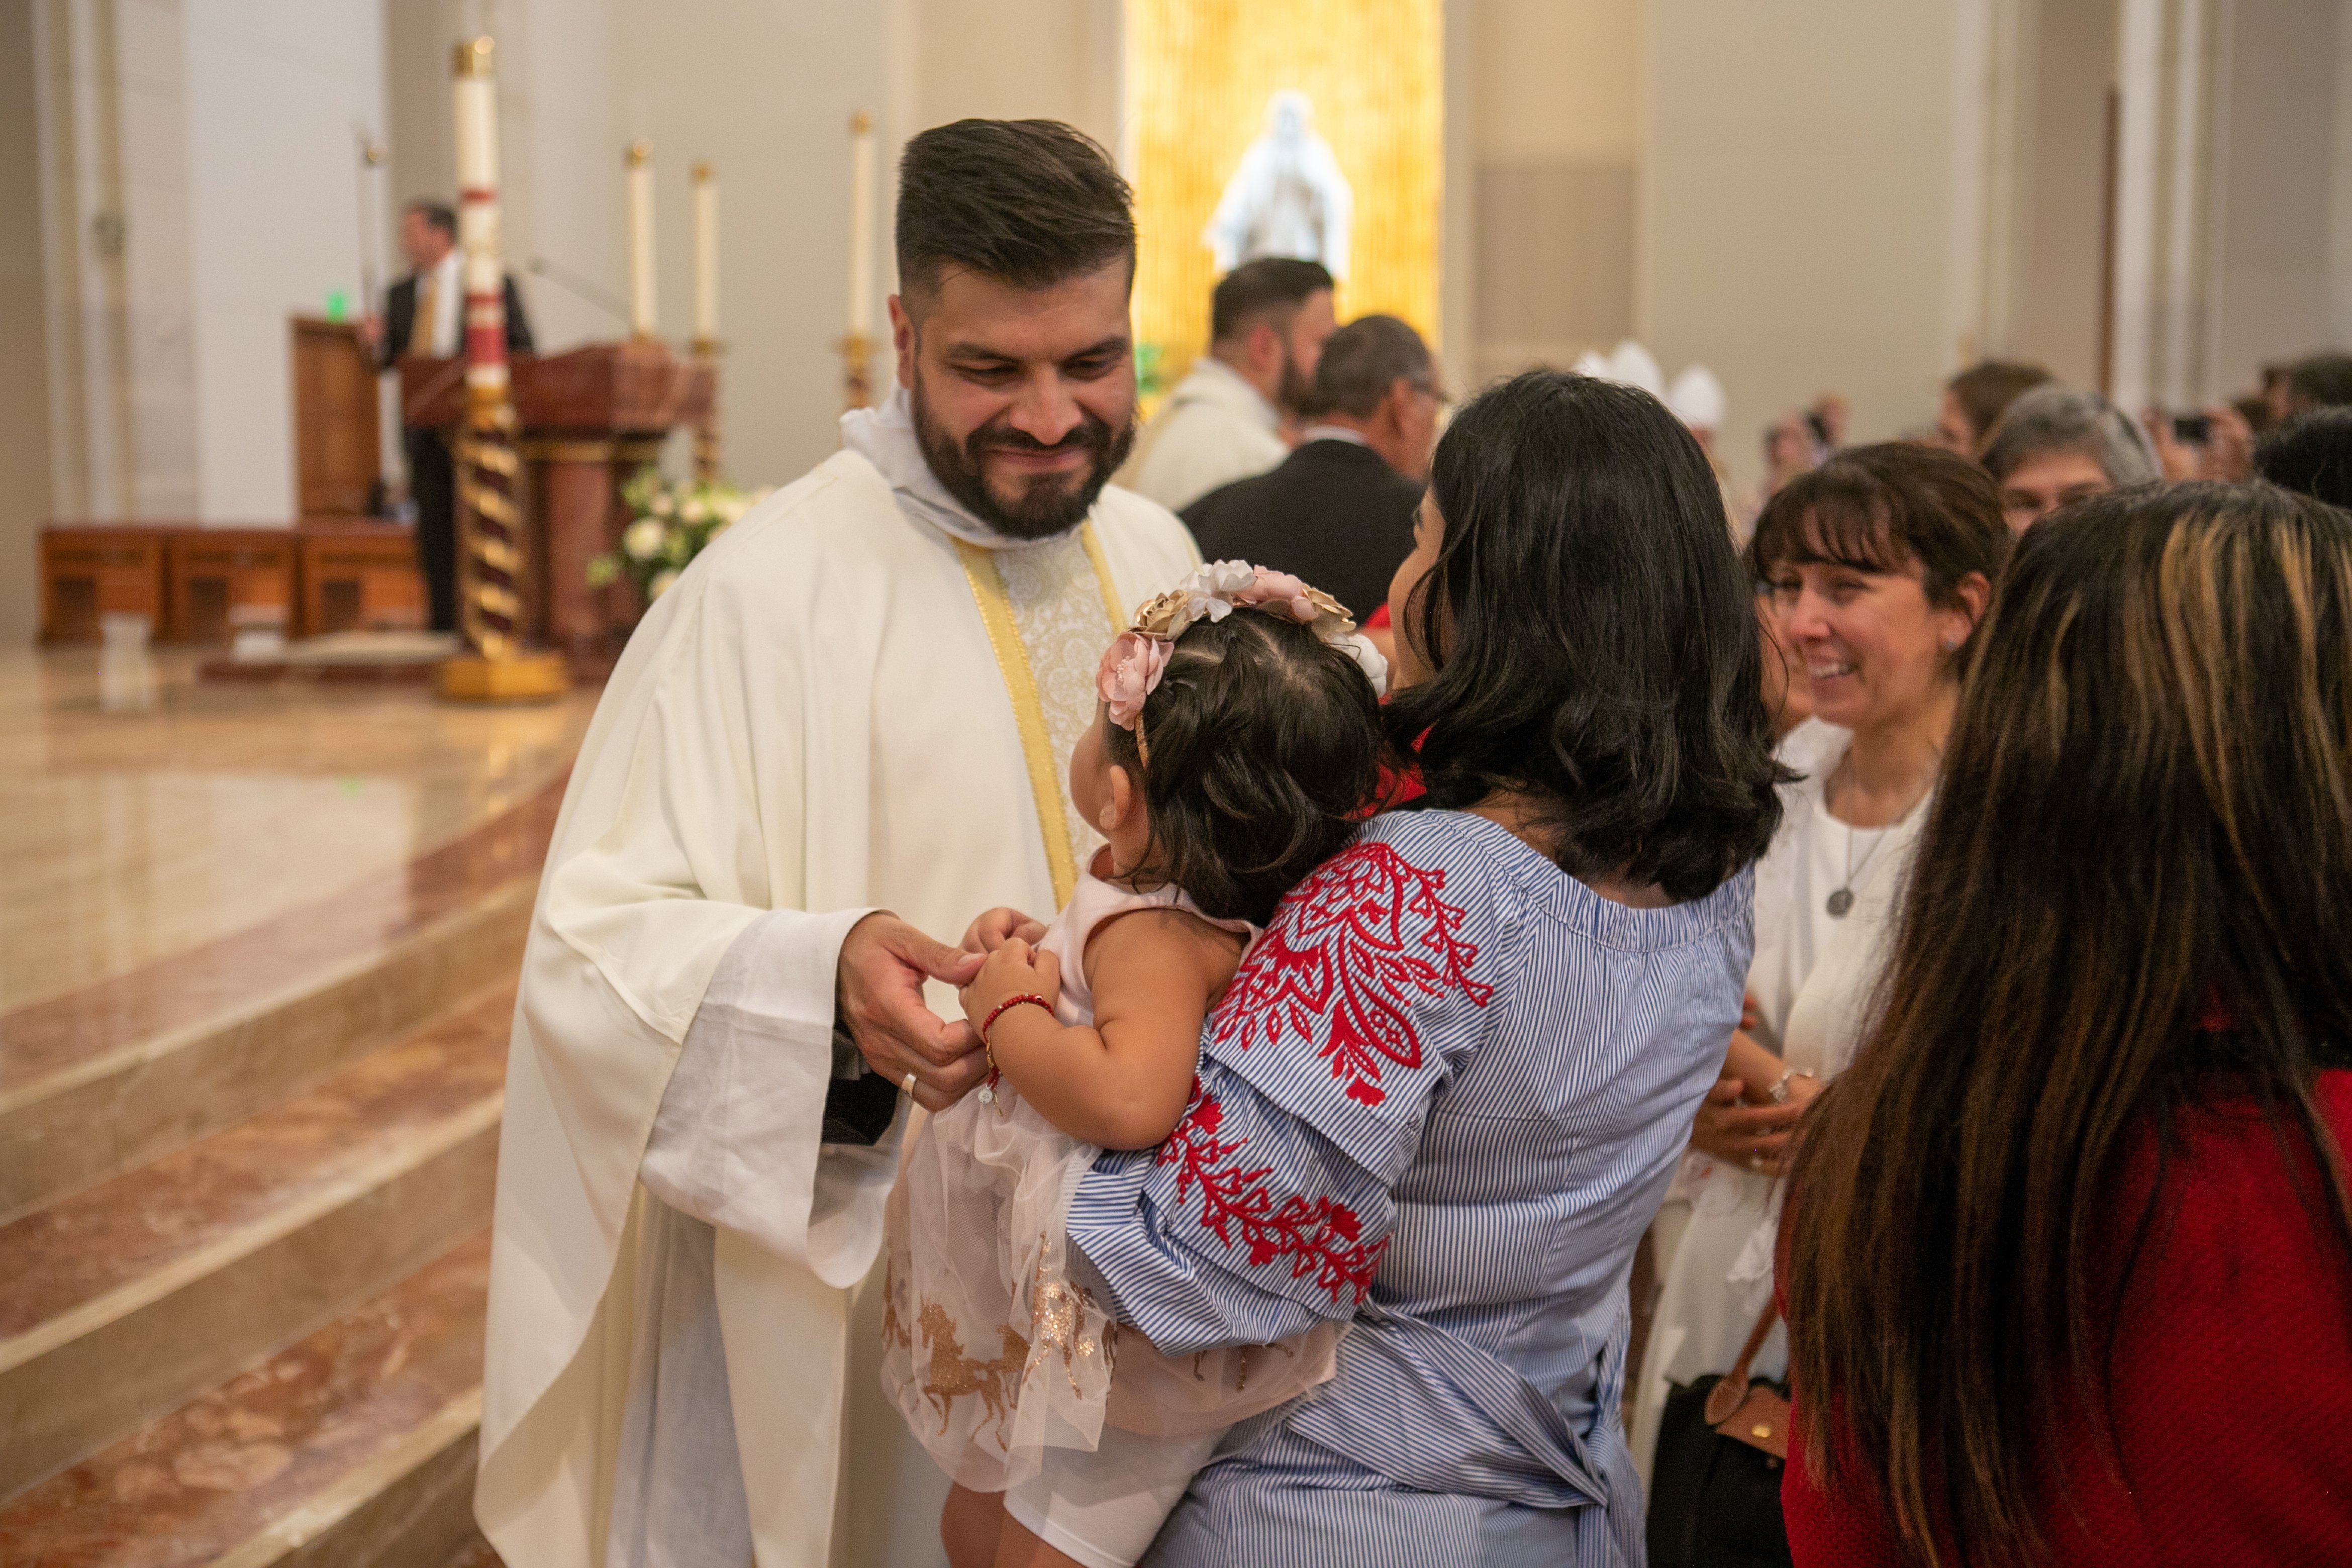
{"x": 999, "y": 926}
{"x": 879, "y": 996}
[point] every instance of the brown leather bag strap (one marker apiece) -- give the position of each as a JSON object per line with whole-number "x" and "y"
{"x": 1731, "y": 1388}
{"x": 1756, "y": 1338}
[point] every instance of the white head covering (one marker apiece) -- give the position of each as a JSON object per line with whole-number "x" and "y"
{"x": 1696, "y": 397}
{"x": 1636, "y": 367}
{"x": 1630, "y": 366}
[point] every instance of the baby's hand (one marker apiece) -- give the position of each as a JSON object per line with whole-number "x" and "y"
{"x": 999, "y": 926}
{"x": 1013, "y": 969}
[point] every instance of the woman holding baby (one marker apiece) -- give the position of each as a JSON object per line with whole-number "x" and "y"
{"x": 1438, "y": 1085}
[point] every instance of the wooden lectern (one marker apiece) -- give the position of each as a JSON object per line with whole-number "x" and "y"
{"x": 590, "y": 419}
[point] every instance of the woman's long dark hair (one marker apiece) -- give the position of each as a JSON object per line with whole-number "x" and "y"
{"x": 1592, "y": 637}
{"x": 2146, "y": 802}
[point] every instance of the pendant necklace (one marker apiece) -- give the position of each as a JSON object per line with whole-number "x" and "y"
{"x": 1841, "y": 903}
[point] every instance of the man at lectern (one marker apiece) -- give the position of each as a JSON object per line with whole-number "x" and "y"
{"x": 425, "y": 314}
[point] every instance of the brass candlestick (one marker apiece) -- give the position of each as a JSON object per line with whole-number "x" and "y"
{"x": 706, "y": 433}
{"x": 493, "y": 553}
{"x": 856, "y": 371}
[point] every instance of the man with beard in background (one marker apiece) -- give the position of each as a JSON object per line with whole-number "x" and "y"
{"x": 1227, "y": 418}
{"x": 841, "y": 736}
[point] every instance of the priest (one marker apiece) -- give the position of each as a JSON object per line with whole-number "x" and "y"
{"x": 838, "y": 738}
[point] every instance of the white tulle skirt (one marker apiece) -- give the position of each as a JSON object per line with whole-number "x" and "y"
{"x": 997, "y": 1358}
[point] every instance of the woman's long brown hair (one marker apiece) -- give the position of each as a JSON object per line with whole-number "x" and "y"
{"x": 2148, "y": 796}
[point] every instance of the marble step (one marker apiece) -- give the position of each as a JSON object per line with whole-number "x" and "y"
{"x": 121, "y": 1301}
{"x": 106, "y": 1113}
{"x": 354, "y": 1446}
{"x": 96, "y": 1080}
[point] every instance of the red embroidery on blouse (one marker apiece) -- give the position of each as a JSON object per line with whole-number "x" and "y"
{"x": 1355, "y": 946}
{"x": 1321, "y": 1237}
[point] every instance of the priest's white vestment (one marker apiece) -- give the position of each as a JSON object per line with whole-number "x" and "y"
{"x": 857, "y": 698}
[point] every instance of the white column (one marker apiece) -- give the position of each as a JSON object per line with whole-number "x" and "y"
{"x": 2181, "y": 383}
{"x": 2139, "y": 79}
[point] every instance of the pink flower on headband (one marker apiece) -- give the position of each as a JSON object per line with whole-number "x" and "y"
{"x": 1129, "y": 673}
{"x": 1268, "y": 587}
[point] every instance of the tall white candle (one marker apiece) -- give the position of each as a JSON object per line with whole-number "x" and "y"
{"x": 641, "y": 239}
{"x": 861, "y": 224}
{"x": 706, "y": 253}
{"x": 478, "y": 217}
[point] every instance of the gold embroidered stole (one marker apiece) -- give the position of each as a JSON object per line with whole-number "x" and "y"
{"x": 1013, "y": 661}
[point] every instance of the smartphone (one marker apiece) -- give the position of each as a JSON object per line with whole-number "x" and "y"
{"x": 2192, "y": 429}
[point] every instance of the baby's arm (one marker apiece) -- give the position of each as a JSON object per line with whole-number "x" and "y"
{"x": 1123, "y": 1083}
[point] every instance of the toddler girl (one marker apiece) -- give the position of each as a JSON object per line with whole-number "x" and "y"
{"x": 1236, "y": 742}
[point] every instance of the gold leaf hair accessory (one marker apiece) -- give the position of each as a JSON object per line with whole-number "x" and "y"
{"x": 1132, "y": 665}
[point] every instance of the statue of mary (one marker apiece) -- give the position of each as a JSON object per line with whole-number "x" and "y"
{"x": 1288, "y": 196}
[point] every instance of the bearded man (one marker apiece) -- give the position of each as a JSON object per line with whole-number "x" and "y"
{"x": 846, "y": 727}
{"x": 1229, "y": 418}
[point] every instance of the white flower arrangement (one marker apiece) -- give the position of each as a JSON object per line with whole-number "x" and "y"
{"x": 671, "y": 522}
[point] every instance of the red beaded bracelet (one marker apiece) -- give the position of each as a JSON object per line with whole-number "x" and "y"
{"x": 1007, "y": 1005}
{"x": 1027, "y": 998}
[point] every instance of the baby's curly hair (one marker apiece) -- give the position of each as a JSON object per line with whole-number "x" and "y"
{"x": 1264, "y": 748}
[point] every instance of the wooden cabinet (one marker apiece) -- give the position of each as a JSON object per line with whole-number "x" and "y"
{"x": 337, "y": 443}
{"x": 198, "y": 585}
{"x": 224, "y": 577}
{"x": 92, "y": 570}
{"x": 357, "y": 576}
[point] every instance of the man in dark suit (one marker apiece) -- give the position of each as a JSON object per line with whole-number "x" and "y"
{"x": 1338, "y": 511}
{"x": 425, "y": 314}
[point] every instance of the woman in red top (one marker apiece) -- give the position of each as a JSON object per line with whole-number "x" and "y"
{"x": 2068, "y": 1266}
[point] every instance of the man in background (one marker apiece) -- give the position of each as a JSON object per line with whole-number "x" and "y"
{"x": 1340, "y": 510}
{"x": 424, "y": 315}
{"x": 1267, "y": 322}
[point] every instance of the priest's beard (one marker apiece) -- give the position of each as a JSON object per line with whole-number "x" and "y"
{"x": 1048, "y": 504}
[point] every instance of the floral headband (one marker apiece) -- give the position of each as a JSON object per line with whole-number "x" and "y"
{"x": 1132, "y": 665}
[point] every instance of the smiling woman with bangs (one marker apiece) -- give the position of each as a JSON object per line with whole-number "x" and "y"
{"x": 1879, "y": 566}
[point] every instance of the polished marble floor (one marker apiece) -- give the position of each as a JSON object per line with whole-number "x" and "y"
{"x": 132, "y": 832}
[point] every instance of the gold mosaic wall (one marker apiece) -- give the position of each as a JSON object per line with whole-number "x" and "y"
{"x": 1199, "y": 73}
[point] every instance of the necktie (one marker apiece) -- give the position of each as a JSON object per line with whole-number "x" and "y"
{"x": 428, "y": 311}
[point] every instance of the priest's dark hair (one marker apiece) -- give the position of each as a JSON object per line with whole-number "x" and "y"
{"x": 1029, "y": 202}
{"x": 1591, "y": 638}
{"x": 1261, "y": 750}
